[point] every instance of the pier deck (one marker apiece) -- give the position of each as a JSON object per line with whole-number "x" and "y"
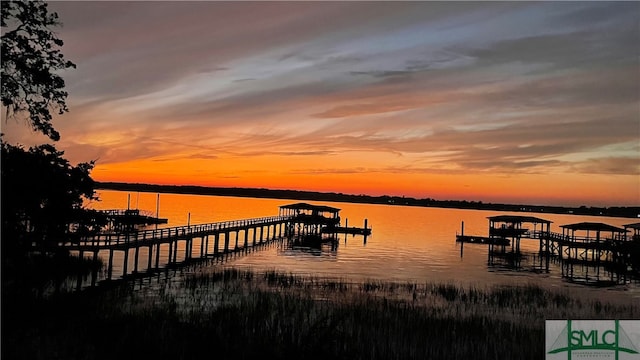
{"x": 474, "y": 239}
{"x": 123, "y": 240}
{"x": 347, "y": 230}
{"x": 225, "y": 237}
{"x": 585, "y": 244}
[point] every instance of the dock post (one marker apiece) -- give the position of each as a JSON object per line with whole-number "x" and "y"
{"x": 170, "y": 252}
{"x": 560, "y": 250}
{"x": 157, "y": 255}
{"x": 365, "y": 230}
{"x": 540, "y": 236}
{"x": 110, "y": 265}
{"x": 226, "y": 242}
{"x": 237, "y": 233}
{"x": 135, "y": 264}
{"x": 175, "y": 252}
{"x": 255, "y": 229}
{"x": 462, "y": 239}
{"x": 246, "y": 238}
{"x": 346, "y": 228}
{"x": 94, "y": 272}
{"x": 150, "y": 256}
{"x": 206, "y": 245}
{"x": 126, "y": 262}
{"x": 216, "y": 242}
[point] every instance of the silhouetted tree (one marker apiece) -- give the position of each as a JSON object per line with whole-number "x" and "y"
{"x": 30, "y": 59}
{"x": 42, "y": 197}
{"x": 42, "y": 193}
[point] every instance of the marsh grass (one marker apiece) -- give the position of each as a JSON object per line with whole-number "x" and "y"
{"x": 247, "y": 315}
{"x": 40, "y": 274}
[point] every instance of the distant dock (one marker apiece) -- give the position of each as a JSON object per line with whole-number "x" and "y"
{"x": 476, "y": 239}
{"x": 585, "y": 244}
{"x": 121, "y": 219}
{"x": 347, "y": 230}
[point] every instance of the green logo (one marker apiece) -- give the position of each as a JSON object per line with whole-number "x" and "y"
{"x": 601, "y": 338}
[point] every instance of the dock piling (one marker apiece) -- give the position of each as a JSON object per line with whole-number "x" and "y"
{"x": 311, "y": 221}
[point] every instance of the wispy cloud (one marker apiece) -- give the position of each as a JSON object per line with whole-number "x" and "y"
{"x": 416, "y": 88}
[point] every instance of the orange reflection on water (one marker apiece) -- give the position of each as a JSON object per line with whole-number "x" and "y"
{"x": 407, "y": 243}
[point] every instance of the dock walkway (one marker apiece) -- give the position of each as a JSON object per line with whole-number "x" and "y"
{"x": 588, "y": 244}
{"x": 254, "y": 231}
{"x": 214, "y": 238}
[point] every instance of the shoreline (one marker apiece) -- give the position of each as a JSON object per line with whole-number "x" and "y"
{"x": 631, "y": 212}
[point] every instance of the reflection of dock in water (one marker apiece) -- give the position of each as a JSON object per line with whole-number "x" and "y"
{"x": 146, "y": 251}
{"x": 588, "y": 253}
{"x": 315, "y": 245}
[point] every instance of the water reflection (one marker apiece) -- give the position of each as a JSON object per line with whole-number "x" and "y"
{"x": 321, "y": 246}
{"x": 578, "y": 271}
{"x": 407, "y": 243}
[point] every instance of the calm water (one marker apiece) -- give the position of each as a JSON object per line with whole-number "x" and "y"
{"x": 407, "y": 243}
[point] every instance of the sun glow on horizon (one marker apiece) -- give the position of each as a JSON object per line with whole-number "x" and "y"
{"x": 532, "y": 103}
{"x": 536, "y": 189}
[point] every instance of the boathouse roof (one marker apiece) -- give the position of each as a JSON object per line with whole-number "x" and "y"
{"x": 592, "y": 226}
{"x": 632, "y": 226}
{"x": 305, "y": 206}
{"x": 518, "y": 219}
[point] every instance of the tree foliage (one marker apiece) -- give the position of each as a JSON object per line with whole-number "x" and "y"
{"x": 43, "y": 196}
{"x": 30, "y": 58}
{"x": 42, "y": 193}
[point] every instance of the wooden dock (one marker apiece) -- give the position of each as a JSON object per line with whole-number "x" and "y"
{"x": 214, "y": 239}
{"x": 474, "y": 239}
{"x": 595, "y": 245}
{"x": 347, "y": 230}
{"x": 129, "y": 219}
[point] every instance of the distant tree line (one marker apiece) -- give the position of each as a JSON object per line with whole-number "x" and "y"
{"x": 629, "y": 212}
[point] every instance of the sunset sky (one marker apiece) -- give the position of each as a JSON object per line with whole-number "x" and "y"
{"x": 498, "y": 102}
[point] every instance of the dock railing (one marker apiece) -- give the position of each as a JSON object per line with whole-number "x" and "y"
{"x": 173, "y": 232}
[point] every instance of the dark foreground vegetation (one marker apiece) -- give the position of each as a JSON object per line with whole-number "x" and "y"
{"x": 616, "y": 211}
{"x": 246, "y": 315}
